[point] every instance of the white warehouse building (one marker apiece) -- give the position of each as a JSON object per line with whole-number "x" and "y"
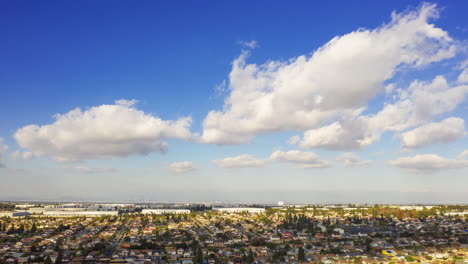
{"x": 80, "y": 213}
{"x": 14, "y": 214}
{"x": 165, "y": 211}
{"x": 240, "y": 210}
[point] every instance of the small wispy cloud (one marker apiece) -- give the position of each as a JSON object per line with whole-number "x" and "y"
{"x": 241, "y": 161}
{"x": 181, "y": 167}
{"x": 294, "y": 140}
{"x": 352, "y": 160}
{"x": 220, "y": 88}
{"x": 89, "y": 170}
{"x": 301, "y": 159}
{"x": 249, "y": 44}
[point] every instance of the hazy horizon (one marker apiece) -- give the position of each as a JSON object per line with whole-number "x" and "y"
{"x": 301, "y": 197}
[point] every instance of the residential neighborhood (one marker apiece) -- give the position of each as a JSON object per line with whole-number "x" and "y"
{"x": 270, "y": 234}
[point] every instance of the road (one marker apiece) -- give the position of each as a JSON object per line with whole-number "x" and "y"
{"x": 118, "y": 237}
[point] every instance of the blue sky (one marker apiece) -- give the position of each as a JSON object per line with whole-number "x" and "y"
{"x": 330, "y": 101}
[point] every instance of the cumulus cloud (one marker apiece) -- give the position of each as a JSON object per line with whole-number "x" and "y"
{"x": 338, "y": 79}
{"x": 240, "y": 161}
{"x": 352, "y": 160}
{"x": 428, "y": 163}
{"x": 101, "y": 132}
{"x": 303, "y": 159}
{"x": 346, "y": 134}
{"x": 181, "y": 167}
{"x": 416, "y": 105}
{"x": 445, "y": 131}
{"x": 22, "y": 155}
{"x": 89, "y": 170}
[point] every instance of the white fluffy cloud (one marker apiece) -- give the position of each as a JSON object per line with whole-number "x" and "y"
{"x": 445, "y": 131}
{"x": 352, "y": 160}
{"x": 338, "y": 79}
{"x": 416, "y": 105}
{"x": 22, "y": 155}
{"x": 105, "y": 131}
{"x": 181, "y": 167}
{"x": 303, "y": 159}
{"x": 428, "y": 163}
{"x": 345, "y": 134}
{"x": 240, "y": 161}
{"x": 89, "y": 170}
{"x": 3, "y": 150}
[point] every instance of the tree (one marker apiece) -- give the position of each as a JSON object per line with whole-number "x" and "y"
{"x": 47, "y": 260}
{"x": 250, "y": 258}
{"x": 368, "y": 244}
{"x": 20, "y": 230}
{"x": 11, "y": 230}
{"x": 33, "y": 248}
{"x": 199, "y": 256}
{"x": 34, "y": 228}
{"x": 301, "y": 254}
{"x": 58, "y": 260}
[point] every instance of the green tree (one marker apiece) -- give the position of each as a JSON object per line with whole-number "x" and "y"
{"x": 59, "y": 258}
{"x": 47, "y": 260}
{"x": 34, "y": 228}
{"x": 11, "y": 230}
{"x": 20, "y": 230}
{"x": 199, "y": 256}
{"x": 33, "y": 248}
{"x": 301, "y": 254}
{"x": 250, "y": 257}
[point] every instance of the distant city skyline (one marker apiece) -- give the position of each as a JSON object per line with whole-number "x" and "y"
{"x": 304, "y": 102}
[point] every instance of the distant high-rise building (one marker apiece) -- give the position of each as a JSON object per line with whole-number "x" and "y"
{"x": 280, "y": 203}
